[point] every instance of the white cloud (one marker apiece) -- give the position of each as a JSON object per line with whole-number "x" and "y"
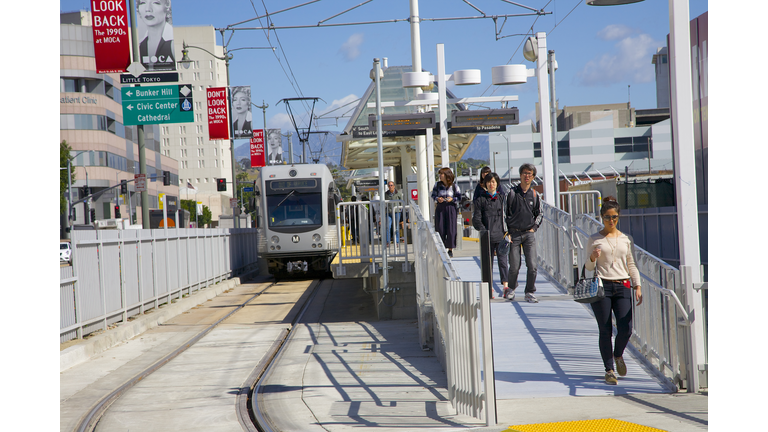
{"x": 282, "y": 121}
{"x": 629, "y": 62}
{"x": 614, "y": 32}
{"x": 351, "y": 48}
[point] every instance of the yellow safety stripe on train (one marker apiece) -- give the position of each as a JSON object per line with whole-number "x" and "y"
{"x": 599, "y": 425}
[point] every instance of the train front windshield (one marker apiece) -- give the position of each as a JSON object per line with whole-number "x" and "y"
{"x": 294, "y": 203}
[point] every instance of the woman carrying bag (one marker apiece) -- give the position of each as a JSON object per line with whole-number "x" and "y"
{"x": 612, "y": 258}
{"x": 447, "y": 195}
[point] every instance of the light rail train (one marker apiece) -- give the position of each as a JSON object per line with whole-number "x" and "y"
{"x": 295, "y": 209}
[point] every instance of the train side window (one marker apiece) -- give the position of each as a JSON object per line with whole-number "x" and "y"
{"x": 333, "y": 199}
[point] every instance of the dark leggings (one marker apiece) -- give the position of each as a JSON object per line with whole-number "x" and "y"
{"x": 445, "y": 223}
{"x": 618, "y": 299}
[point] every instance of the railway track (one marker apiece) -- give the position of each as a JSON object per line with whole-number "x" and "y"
{"x": 252, "y": 310}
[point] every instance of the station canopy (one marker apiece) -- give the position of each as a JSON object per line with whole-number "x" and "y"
{"x": 359, "y": 148}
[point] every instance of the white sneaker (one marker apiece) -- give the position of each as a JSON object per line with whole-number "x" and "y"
{"x": 530, "y": 298}
{"x": 509, "y": 294}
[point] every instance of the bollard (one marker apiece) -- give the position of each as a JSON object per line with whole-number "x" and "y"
{"x": 486, "y": 260}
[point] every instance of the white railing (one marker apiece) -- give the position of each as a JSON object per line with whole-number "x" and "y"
{"x": 117, "y": 274}
{"x": 581, "y": 202}
{"x": 554, "y": 245}
{"x": 362, "y": 239}
{"x": 457, "y": 314}
{"x": 661, "y": 324}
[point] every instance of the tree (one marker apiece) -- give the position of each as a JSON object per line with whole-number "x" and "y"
{"x": 341, "y": 182}
{"x": 65, "y": 155}
{"x": 202, "y": 220}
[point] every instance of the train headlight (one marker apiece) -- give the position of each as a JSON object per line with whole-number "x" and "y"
{"x": 314, "y": 246}
{"x": 319, "y": 245}
{"x": 275, "y": 239}
{"x": 316, "y": 237}
{"x": 271, "y": 248}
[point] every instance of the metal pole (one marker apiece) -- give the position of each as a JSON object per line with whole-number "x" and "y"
{"x": 140, "y": 128}
{"x": 442, "y": 106}
{"x": 544, "y": 129}
{"x": 235, "y": 211}
{"x": 380, "y": 145}
{"x": 553, "y": 110}
{"x": 421, "y": 150}
{"x": 685, "y": 171}
{"x": 69, "y": 203}
{"x": 290, "y": 145}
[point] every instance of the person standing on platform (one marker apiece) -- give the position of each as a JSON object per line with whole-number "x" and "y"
{"x": 393, "y": 225}
{"x": 488, "y": 215}
{"x": 480, "y": 188}
{"x": 523, "y": 218}
{"x": 353, "y": 221}
{"x": 446, "y": 194}
{"x": 612, "y": 260}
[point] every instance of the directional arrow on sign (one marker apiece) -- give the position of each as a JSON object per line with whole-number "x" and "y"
{"x": 129, "y": 93}
{"x": 130, "y": 107}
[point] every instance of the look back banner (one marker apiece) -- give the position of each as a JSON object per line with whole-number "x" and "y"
{"x": 110, "y": 36}
{"x": 258, "y": 158}
{"x": 218, "y": 123}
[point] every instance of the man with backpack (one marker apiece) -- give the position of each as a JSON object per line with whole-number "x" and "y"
{"x": 523, "y": 218}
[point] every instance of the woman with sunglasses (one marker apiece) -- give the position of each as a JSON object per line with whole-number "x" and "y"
{"x": 611, "y": 257}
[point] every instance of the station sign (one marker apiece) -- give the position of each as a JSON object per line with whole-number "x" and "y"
{"x": 367, "y": 183}
{"x": 150, "y": 78}
{"x": 157, "y": 105}
{"x": 394, "y": 122}
{"x": 489, "y": 117}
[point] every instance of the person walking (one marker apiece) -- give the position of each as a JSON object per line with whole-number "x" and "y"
{"x": 523, "y": 218}
{"x": 488, "y": 215}
{"x": 613, "y": 261}
{"x": 446, "y": 194}
{"x": 393, "y": 225}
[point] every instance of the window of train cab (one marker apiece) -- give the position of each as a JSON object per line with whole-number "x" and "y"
{"x": 334, "y": 198}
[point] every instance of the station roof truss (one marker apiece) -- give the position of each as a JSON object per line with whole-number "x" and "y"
{"x": 361, "y": 152}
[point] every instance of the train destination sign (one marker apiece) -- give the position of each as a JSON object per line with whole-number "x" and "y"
{"x": 390, "y": 122}
{"x": 489, "y": 117}
{"x": 157, "y": 105}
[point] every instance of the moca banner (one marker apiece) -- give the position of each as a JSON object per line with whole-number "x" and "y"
{"x": 155, "y": 26}
{"x": 218, "y": 123}
{"x": 258, "y": 158}
{"x": 110, "y": 36}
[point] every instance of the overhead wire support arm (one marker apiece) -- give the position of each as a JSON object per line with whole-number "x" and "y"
{"x": 474, "y": 7}
{"x": 341, "y": 13}
{"x": 229, "y": 27}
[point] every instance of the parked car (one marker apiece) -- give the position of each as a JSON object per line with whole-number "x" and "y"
{"x": 65, "y": 252}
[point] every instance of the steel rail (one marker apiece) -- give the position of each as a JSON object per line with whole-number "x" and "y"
{"x": 88, "y": 422}
{"x": 259, "y": 418}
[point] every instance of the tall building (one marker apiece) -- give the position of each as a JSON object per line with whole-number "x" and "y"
{"x": 201, "y": 161}
{"x": 91, "y": 122}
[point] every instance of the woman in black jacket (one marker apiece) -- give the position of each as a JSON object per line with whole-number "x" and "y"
{"x": 488, "y": 214}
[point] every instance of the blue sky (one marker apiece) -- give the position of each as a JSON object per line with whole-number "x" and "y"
{"x": 600, "y": 50}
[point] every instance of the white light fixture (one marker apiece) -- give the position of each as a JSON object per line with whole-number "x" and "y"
{"x": 509, "y": 74}
{"x": 466, "y": 77}
{"x": 416, "y": 79}
{"x": 531, "y": 49}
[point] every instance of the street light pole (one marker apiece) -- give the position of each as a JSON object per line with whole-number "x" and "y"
{"x": 553, "y": 112}
{"x": 421, "y": 145}
{"x": 140, "y": 128}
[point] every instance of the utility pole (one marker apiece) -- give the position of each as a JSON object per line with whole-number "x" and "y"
{"x": 140, "y": 128}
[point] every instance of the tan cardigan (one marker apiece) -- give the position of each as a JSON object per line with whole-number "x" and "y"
{"x": 618, "y": 267}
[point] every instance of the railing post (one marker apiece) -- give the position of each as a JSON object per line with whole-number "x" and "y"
{"x": 489, "y": 380}
{"x": 486, "y": 260}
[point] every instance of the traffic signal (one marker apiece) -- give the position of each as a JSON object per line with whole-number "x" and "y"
{"x": 221, "y": 184}
{"x": 117, "y": 212}
{"x": 166, "y": 178}
{"x": 123, "y": 187}
{"x": 85, "y": 190}
{"x": 93, "y": 215}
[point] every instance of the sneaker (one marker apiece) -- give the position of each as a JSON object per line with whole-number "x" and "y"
{"x": 530, "y": 298}
{"x": 621, "y": 367}
{"x": 509, "y": 294}
{"x": 610, "y": 378}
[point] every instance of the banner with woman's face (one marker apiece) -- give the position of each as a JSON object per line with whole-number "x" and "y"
{"x": 274, "y": 147}
{"x": 241, "y": 112}
{"x": 155, "y": 26}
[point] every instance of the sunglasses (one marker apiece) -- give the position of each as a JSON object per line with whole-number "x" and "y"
{"x": 612, "y": 217}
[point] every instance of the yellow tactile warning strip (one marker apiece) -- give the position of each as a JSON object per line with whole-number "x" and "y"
{"x": 599, "y": 425}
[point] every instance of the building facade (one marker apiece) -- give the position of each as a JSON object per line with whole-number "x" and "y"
{"x": 595, "y": 149}
{"x": 91, "y": 122}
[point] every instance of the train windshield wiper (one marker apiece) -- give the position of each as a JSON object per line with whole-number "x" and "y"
{"x": 286, "y": 197}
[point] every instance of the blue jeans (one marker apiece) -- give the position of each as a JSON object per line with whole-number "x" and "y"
{"x": 395, "y": 227}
